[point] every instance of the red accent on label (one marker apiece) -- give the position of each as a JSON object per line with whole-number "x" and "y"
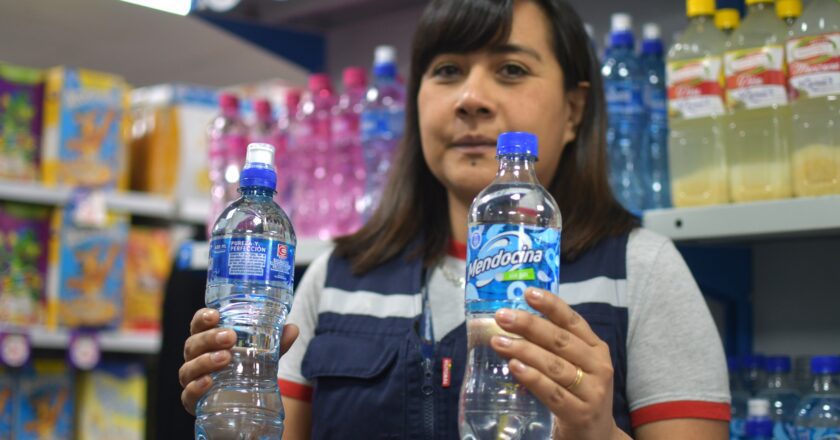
{"x": 446, "y": 372}
{"x": 746, "y": 80}
{"x": 282, "y": 251}
{"x": 689, "y": 90}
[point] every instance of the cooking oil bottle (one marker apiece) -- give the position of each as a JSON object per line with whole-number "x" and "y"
{"x": 813, "y": 56}
{"x": 695, "y": 109}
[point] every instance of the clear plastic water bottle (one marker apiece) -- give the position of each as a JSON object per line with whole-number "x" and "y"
{"x": 514, "y": 243}
{"x": 738, "y": 407}
{"x": 348, "y": 177}
{"x": 781, "y": 392}
{"x": 759, "y": 423}
{"x": 227, "y": 138}
{"x": 818, "y": 417}
{"x": 656, "y": 182}
{"x": 382, "y": 124}
{"x": 623, "y": 86}
{"x": 249, "y": 281}
{"x": 752, "y": 373}
{"x": 313, "y": 141}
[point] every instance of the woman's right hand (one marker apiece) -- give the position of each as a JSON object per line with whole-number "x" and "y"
{"x": 208, "y": 351}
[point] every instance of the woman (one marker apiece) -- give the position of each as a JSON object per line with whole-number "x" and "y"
{"x": 638, "y": 330}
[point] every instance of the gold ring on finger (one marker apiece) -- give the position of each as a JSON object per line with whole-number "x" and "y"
{"x": 578, "y": 379}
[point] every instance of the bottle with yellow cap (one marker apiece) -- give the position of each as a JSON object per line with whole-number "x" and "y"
{"x": 727, "y": 20}
{"x": 758, "y": 119}
{"x": 695, "y": 108}
{"x": 813, "y": 56}
{"x": 788, "y": 11}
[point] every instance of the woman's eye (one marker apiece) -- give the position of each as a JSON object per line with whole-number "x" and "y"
{"x": 446, "y": 71}
{"x": 513, "y": 71}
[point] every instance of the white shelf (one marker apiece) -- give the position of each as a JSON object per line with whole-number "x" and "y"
{"x": 748, "y": 221}
{"x": 111, "y": 341}
{"x": 194, "y": 210}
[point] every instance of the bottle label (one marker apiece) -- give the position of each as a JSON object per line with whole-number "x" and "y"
{"x": 382, "y": 123}
{"x": 814, "y": 64}
{"x": 251, "y": 259}
{"x": 755, "y": 77}
{"x": 737, "y": 429}
{"x": 784, "y": 431}
{"x": 818, "y": 433}
{"x": 624, "y": 98}
{"x": 505, "y": 259}
{"x": 695, "y": 88}
{"x": 656, "y": 102}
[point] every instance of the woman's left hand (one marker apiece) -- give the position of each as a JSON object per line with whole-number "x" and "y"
{"x": 563, "y": 363}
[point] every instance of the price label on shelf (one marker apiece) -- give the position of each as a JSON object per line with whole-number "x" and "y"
{"x": 89, "y": 208}
{"x": 84, "y": 351}
{"x": 15, "y": 349}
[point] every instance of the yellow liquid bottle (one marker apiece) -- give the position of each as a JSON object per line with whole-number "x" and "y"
{"x": 813, "y": 56}
{"x": 695, "y": 108}
{"x": 757, "y": 123}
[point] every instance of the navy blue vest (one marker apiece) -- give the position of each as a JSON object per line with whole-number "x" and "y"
{"x": 368, "y": 375}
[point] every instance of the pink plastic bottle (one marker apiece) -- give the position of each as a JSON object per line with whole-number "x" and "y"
{"x": 348, "y": 171}
{"x": 287, "y": 177}
{"x": 265, "y": 129}
{"x": 228, "y": 142}
{"x": 312, "y": 142}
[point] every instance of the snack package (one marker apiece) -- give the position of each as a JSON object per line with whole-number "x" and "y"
{"x": 21, "y": 103}
{"x": 113, "y": 403}
{"x": 84, "y": 136}
{"x": 87, "y": 271}
{"x": 24, "y": 238}
{"x": 7, "y": 403}
{"x": 168, "y": 149}
{"x": 148, "y": 262}
{"x": 45, "y": 402}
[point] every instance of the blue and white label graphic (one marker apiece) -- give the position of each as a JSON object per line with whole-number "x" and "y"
{"x": 251, "y": 259}
{"x": 503, "y": 260}
{"x": 818, "y": 433}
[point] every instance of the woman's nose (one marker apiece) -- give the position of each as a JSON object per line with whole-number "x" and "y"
{"x": 475, "y": 100}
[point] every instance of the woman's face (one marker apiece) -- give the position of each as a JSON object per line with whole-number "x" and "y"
{"x": 466, "y": 100}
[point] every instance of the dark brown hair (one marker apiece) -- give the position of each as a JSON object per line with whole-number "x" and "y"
{"x": 414, "y": 204}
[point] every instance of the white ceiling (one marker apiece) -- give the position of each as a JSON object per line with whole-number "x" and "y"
{"x": 143, "y": 45}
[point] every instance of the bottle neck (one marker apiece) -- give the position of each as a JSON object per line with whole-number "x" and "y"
{"x": 256, "y": 191}
{"x": 778, "y": 380}
{"x": 517, "y": 168}
{"x": 701, "y": 20}
{"x": 760, "y": 8}
{"x": 826, "y": 383}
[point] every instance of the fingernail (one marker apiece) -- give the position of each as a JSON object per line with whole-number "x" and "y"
{"x": 505, "y": 316}
{"x": 534, "y": 294}
{"x": 518, "y": 366}
{"x": 224, "y": 337}
{"x": 218, "y": 357}
{"x": 504, "y": 341}
{"x": 204, "y": 381}
{"x": 206, "y": 316}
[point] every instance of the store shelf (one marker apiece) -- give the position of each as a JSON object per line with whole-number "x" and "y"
{"x": 110, "y": 341}
{"x": 749, "y": 221}
{"x": 194, "y": 210}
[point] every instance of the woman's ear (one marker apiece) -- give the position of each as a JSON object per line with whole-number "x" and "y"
{"x": 575, "y": 106}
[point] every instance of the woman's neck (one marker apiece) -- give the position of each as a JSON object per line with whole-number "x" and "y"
{"x": 458, "y": 212}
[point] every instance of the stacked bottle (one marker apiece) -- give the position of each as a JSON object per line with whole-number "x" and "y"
{"x": 699, "y": 172}
{"x": 657, "y": 184}
{"x": 757, "y": 121}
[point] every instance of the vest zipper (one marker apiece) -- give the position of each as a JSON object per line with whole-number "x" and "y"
{"x": 428, "y": 399}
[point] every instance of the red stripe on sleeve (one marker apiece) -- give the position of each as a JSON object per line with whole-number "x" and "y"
{"x": 295, "y": 390}
{"x": 685, "y": 409}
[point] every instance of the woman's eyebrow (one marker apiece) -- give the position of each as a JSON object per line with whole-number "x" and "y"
{"x": 515, "y": 49}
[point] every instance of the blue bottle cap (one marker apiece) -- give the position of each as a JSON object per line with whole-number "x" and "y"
{"x": 754, "y": 361}
{"x": 825, "y": 365}
{"x": 259, "y": 167}
{"x": 777, "y": 364}
{"x": 517, "y": 142}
